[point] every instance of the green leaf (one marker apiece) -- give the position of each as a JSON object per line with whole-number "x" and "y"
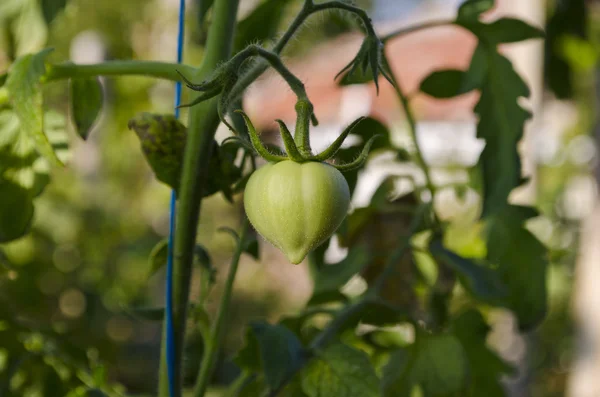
{"x": 162, "y": 138}
{"x": 445, "y": 84}
{"x": 483, "y": 282}
{"x": 470, "y": 10}
{"x": 24, "y": 86}
{"x": 501, "y": 123}
{"x": 522, "y": 261}
{"x": 51, "y": 8}
{"x": 272, "y": 349}
{"x": 331, "y": 278}
{"x": 486, "y": 368}
{"x": 340, "y": 371}
{"x": 251, "y": 248}
{"x": 158, "y": 256}
{"x": 16, "y": 211}
{"x": 86, "y": 103}
{"x": 506, "y": 30}
{"x": 436, "y": 363}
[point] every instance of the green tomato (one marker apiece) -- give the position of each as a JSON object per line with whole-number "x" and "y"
{"x": 296, "y": 206}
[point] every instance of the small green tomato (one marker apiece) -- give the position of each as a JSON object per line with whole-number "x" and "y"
{"x": 296, "y": 206}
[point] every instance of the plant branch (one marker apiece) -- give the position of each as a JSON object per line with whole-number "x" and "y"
{"x": 412, "y": 124}
{"x": 202, "y": 124}
{"x": 213, "y": 344}
{"x": 307, "y": 10}
{"x": 163, "y": 70}
{"x": 416, "y": 28}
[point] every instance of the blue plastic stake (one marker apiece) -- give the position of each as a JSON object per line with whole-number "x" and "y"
{"x": 169, "y": 280}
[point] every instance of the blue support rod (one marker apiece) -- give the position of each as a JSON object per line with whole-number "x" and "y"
{"x": 172, "y": 211}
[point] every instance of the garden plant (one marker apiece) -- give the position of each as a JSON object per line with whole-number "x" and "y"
{"x": 419, "y": 276}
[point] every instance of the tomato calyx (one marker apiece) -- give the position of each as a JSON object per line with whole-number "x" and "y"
{"x": 298, "y": 149}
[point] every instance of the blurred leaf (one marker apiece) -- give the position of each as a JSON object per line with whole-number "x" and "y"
{"x": 340, "y": 370}
{"x": 158, "y": 256}
{"x": 486, "y": 368}
{"x": 162, "y": 138}
{"x": 86, "y": 103}
{"x": 444, "y": 83}
{"x": 51, "y": 8}
{"x": 262, "y": 23}
{"x": 24, "y": 85}
{"x": 16, "y": 211}
{"x": 522, "y": 262}
{"x": 272, "y": 349}
{"x": 437, "y": 363}
{"x": 231, "y": 232}
{"x": 483, "y": 282}
{"x": 505, "y": 30}
{"x": 251, "y": 248}
{"x": 570, "y": 18}
{"x": 501, "y": 123}
{"x": 331, "y": 278}
{"x": 470, "y": 10}
{"x": 29, "y": 28}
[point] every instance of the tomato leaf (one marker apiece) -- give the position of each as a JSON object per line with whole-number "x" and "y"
{"x": 437, "y": 363}
{"x": 486, "y": 368}
{"x": 330, "y": 278}
{"x": 504, "y": 30}
{"x": 86, "y": 103}
{"x": 522, "y": 263}
{"x": 158, "y": 256}
{"x": 273, "y": 350}
{"x": 445, "y": 84}
{"x": 483, "y": 282}
{"x": 470, "y": 10}
{"x": 340, "y": 370}
{"x": 24, "y": 86}
{"x": 501, "y": 123}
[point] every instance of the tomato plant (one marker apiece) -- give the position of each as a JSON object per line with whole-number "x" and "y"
{"x": 421, "y": 323}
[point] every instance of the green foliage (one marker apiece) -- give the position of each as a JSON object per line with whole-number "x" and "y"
{"x": 436, "y": 363}
{"x": 24, "y": 87}
{"x": 340, "y": 370}
{"x": 86, "y": 104}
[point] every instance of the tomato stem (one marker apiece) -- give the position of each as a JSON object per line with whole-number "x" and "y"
{"x": 163, "y": 70}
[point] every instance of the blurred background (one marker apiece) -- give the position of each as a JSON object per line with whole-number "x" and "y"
{"x": 65, "y": 299}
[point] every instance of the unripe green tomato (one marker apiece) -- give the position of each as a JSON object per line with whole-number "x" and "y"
{"x": 296, "y": 206}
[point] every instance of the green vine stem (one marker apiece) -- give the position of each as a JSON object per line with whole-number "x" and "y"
{"x": 203, "y": 121}
{"x": 213, "y": 344}
{"x": 416, "y": 28}
{"x": 162, "y": 70}
{"x": 412, "y": 124}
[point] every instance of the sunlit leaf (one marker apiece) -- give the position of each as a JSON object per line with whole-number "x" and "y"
{"x": 24, "y": 85}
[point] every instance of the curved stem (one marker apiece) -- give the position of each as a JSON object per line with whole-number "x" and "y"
{"x": 412, "y": 124}
{"x": 415, "y": 28}
{"x": 163, "y": 70}
{"x": 202, "y": 125}
{"x": 213, "y": 344}
{"x": 362, "y": 157}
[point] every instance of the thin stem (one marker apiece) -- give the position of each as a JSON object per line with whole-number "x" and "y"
{"x": 163, "y": 70}
{"x": 213, "y": 344}
{"x": 412, "y": 124}
{"x": 307, "y": 10}
{"x": 415, "y": 28}
{"x": 202, "y": 124}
